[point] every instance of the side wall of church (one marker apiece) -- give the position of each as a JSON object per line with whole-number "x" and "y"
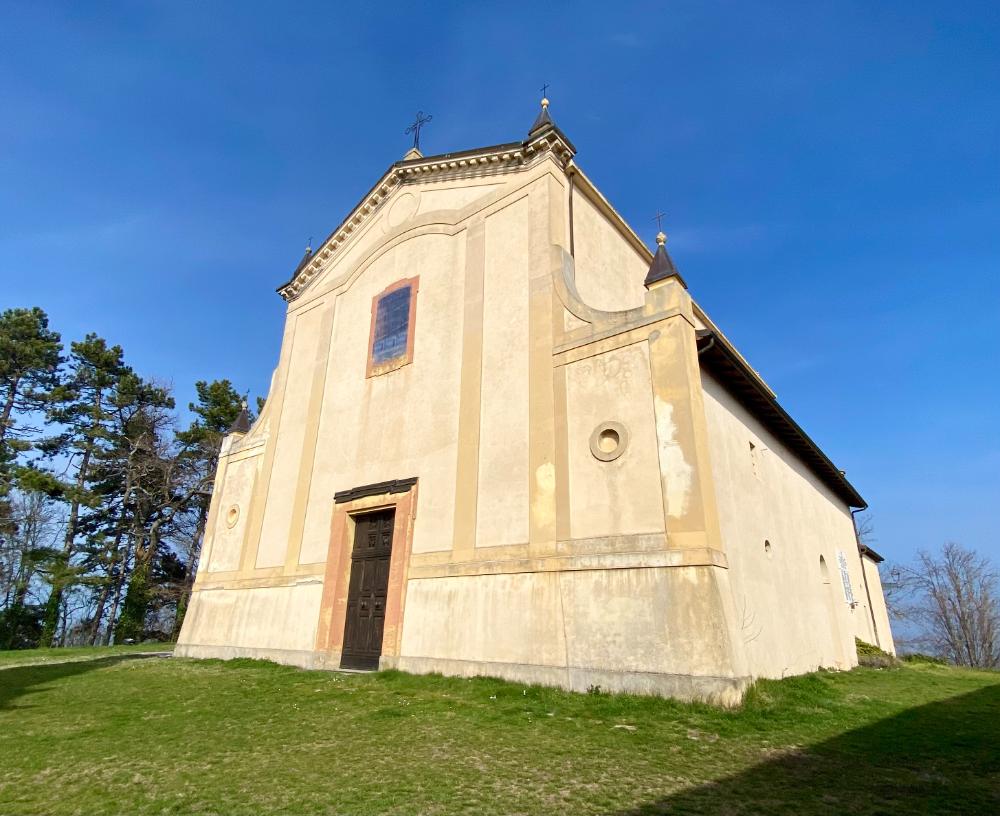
{"x": 778, "y": 521}
{"x": 883, "y": 630}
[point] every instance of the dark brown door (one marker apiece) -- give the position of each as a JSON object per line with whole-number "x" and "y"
{"x": 367, "y": 590}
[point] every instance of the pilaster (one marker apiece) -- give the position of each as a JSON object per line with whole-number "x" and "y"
{"x": 470, "y": 396}
{"x": 690, "y": 515}
{"x": 546, "y": 228}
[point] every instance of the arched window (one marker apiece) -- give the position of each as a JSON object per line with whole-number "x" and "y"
{"x": 824, "y": 570}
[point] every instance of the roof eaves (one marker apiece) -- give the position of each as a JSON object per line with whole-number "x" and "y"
{"x": 874, "y": 556}
{"x": 460, "y": 154}
{"x": 550, "y": 127}
{"x": 726, "y": 364}
{"x": 341, "y": 225}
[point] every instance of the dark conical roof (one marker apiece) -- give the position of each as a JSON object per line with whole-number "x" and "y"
{"x": 542, "y": 121}
{"x": 305, "y": 259}
{"x": 662, "y": 266}
{"x": 242, "y": 422}
{"x": 544, "y": 124}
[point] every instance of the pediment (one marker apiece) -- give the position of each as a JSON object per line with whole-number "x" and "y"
{"x": 410, "y": 188}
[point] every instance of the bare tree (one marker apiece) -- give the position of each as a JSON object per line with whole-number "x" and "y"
{"x": 952, "y": 599}
{"x": 25, "y": 553}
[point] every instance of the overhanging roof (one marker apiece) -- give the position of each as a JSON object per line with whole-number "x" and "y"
{"x": 868, "y": 551}
{"x": 722, "y": 361}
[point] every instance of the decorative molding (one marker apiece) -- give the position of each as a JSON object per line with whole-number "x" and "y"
{"x": 377, "y": 489}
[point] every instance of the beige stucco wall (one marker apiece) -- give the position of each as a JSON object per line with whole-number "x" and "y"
{"x": 278, "y": 617}
{"x": 502, "y": 501}
{"x": 363, "y": 436}
{"x": 883, "y": 630}
{"x": 791, "y": 620}
{"x": 223, "y": 545}
{"x": 609, "y": 272}
{"x": 327, "y": 427}
{"x": 619, "y": 497}
{"x": 650, "y": 630}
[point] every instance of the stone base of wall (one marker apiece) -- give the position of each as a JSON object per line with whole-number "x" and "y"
{"x": 288, "y": 657}
{"x": 726, "y": 691}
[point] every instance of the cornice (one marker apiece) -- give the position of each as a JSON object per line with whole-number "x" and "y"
{"x": 468, "y": 164}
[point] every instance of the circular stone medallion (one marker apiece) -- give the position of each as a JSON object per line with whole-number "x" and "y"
{"x": 402, "y": 210}
{"x": 608, "y": 441}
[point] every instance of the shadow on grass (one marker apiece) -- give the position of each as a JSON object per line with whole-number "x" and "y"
{"x": 21, "y": 680}
{"x": 940, "y": 758}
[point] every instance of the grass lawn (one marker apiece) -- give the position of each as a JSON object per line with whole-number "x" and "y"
{"x": 38, "y": 657}
{"x": 129, "y": 734}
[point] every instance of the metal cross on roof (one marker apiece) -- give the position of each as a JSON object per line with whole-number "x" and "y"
{"x": 658, "y": 218}
{"x": 421, "y": 120}
{"x": 545, "y": 89}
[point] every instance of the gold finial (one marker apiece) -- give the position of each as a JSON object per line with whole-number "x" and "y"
{"x": 545, "y": 101}
{"x": 661, "y": 238}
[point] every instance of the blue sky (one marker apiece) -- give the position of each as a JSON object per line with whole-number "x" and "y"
{"x": 830, "y": 173}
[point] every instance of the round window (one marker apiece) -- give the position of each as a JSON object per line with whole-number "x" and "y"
{"x": 232, "y": 515}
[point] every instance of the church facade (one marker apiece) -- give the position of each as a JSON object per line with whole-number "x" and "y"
{"x": 502, "y": 439}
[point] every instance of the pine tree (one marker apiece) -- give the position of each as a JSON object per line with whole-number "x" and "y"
{"x": 30, "y": 356}
{"x": 82, "y": 407}
{"x": 160, "y": 491}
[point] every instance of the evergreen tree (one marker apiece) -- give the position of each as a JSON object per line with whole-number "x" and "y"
{"x": 30, "y": 356}
{"x": 82, "y": 407}
{"x": 104, "y": 544}
{"x": 161, "y": 490}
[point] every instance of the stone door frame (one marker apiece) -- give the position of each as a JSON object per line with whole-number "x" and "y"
{"x": 400, "y": 495}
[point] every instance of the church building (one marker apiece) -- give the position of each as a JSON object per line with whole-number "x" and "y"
{"x": 503, "y": 439}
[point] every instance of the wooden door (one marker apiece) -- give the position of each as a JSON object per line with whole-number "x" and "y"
{"x": 366, "y": 592}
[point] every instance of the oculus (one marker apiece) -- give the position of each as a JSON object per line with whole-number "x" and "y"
{"x": 608, "y": 441}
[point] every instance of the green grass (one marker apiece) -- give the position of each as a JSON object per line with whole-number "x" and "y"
{"x": 36, "y": 657}
{"x": 141, "y": 735}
